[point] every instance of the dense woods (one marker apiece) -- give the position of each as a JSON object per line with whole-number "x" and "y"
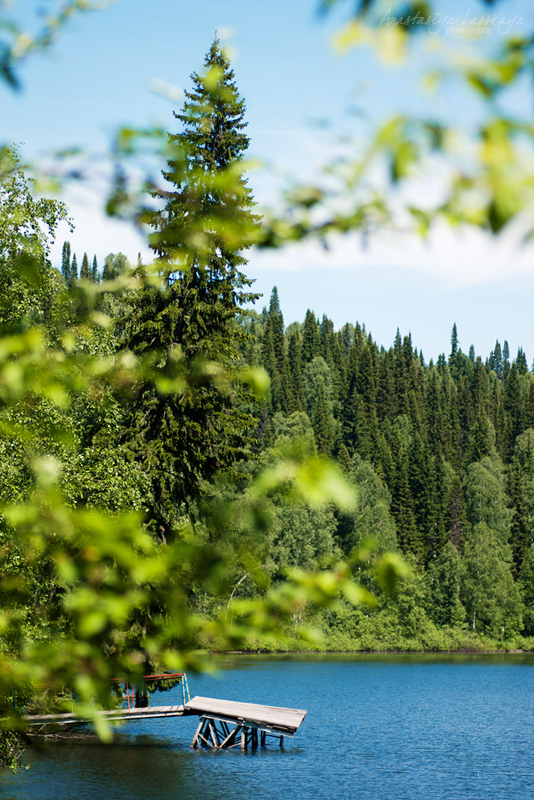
{"x": 442, "y": 455}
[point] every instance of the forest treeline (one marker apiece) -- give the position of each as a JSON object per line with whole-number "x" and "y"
{"x": 443, "y": 458}
{"x": 443, "y": 455}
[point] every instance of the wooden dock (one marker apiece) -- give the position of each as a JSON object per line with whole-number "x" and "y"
{"x": 216, "y": 717}
{"x": 224, "y": 724}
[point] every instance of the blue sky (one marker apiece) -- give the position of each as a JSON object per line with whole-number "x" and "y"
{"x": 103, "y": 71}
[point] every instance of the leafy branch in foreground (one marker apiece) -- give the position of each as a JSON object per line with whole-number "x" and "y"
{"x": 88, "y": 596}
{"x": 19, "y": 41}
{"x": 485, "y": 170}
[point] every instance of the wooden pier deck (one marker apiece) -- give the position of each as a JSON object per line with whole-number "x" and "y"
{"x": 129, "y": 714}
{"x": 275, "y": 718}
{"x": 216, "y": 717}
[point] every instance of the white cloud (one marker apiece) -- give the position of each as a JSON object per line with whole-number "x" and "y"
{"x": 456, "y": 259}
{"x": 95, "y": 233}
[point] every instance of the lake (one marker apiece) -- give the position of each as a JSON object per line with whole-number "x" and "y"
{"x": 378, "y": 727}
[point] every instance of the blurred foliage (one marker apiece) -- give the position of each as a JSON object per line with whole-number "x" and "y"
{"x": 22, "y": 38}
{"x": 88, "y": 594}
{"x": 486, "y": 170}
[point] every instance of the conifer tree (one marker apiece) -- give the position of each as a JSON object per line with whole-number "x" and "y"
{"x": 208, "y": 218}
{"x": 199, "y": 237}
{"x": 512, "y": 403}
{"x": 529, "y": 408}
{"x": 85, "y": 271}
{"x": 294, "y": 359}
{"x": 521, "y": 531}
{"x": 454, "y": 343}
{"x": 482, "y": 437}
{"x": 94, "y": 271}
{"x": 277, "y": 330}
{"x": 410, "y": 539}
{"x": 496, "y": 359}
{"x": 521, "y": 361}
{"x": 521, "y": 494}
{"x": 274, "y": 358}
{"x": 323, "y": 423}
{"x": 385, "y": 394}
{"x": 454, "y": 358}
{"x": 73, "y": 274}
{"x": 505, "y": 358}
{"x": 310, "y": 338}
{"x": 65, "y": 262}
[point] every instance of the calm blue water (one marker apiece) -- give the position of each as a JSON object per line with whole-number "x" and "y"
{"x": 378, "y": 727}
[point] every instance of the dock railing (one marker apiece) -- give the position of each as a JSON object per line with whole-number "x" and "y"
{"x": 130, "y": 689}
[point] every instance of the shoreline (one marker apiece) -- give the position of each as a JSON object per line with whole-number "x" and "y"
{"x": 459, "y": 651}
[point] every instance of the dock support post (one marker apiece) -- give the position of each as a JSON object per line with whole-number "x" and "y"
{"x": 194, "y": 743}
{"x": 213, "y": 734}
{"x": 217, "y": 734}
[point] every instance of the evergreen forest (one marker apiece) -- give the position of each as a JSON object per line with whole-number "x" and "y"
{"x": 442, "y": 456}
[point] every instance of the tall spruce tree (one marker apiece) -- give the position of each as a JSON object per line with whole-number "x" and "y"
{"x": 85, "y": 270}
{"x": 206, "y": 222}
{"x": 73, "y": 274}
{"x": 65, "y": 262}
{"x": 521, "y": 361}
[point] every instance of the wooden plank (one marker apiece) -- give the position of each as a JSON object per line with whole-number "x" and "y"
{"x": 70, "y": 718}
{"x": 204, "y": 740}
{"x": 197, "y": 733}
{"x": 213, "y": 735}
{"x": 231, "y": 736}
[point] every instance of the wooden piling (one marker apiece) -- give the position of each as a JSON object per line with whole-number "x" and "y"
{"x": 194, "y": 743}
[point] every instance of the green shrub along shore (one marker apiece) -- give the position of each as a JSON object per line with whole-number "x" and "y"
{"x": 384, "y": 637}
